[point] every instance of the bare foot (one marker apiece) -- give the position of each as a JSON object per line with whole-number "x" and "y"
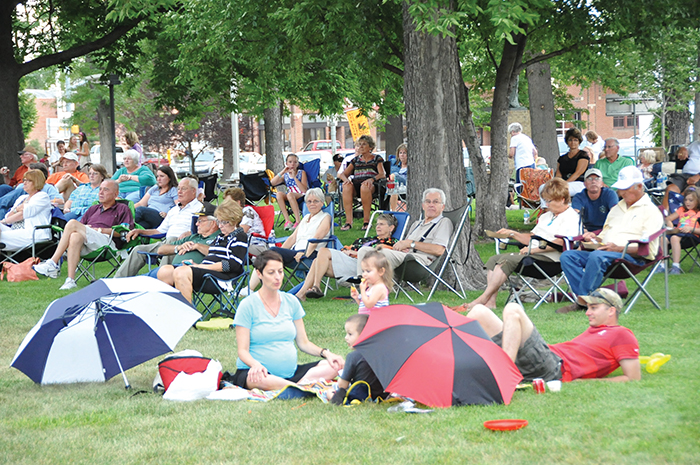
{"x": 301, "y": 297}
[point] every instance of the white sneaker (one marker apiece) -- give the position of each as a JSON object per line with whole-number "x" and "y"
{"x": 48, "y": 268}
{"x": 69, "y": 284}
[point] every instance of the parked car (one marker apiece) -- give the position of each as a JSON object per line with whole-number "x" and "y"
{"x": 631, "y": 147}
{"x": 207, "y": 163}
{"x": 322, "y": 144}
{"x": 251, "y": 162}
{"x": 95, "y": 154}
{"x": 156, "y": 158}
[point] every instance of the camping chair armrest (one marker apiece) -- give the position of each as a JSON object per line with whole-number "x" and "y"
{"x": 643, "y": 243}
{"x": 570, "y": 242}
{"x": 554, "y": 245}
{"x": 151, "y": 257}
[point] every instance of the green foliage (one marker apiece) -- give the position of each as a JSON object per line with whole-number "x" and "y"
{"x": 27, "y": 111}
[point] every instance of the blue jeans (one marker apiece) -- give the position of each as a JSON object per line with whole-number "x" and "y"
{"x": 9, "y": 199}
{"x": 5, "y": 189}
{"x": 148, "y": 218}
{"x": 585, "y": 269}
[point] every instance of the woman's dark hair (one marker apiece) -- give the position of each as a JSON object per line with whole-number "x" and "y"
{"x": 338, "y": 157}
{"x": 267, "y": 256}
{"x": 573, "y": 133}
{"x": 168, "y": 171}
{"x": 83, "y": 137}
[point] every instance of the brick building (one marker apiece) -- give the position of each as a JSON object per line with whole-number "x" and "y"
{"x": 50, "y": 115}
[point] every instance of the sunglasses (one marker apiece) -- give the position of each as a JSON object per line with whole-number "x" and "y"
{"x": 597, "y": 294}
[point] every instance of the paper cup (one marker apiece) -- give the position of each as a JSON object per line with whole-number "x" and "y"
{"x": 554, "y": 385}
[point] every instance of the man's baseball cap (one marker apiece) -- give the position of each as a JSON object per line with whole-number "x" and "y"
{"x": 603, "y": 295}
{"x": 591, "y": 172}
{"x": 70, "y": 156}
{"x": 27, "y": 148}
{"x": 628, "y": 177}
{"x": 207, "y": 210}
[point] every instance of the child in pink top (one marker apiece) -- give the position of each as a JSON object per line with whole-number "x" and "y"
{"x": 688, "y": 226}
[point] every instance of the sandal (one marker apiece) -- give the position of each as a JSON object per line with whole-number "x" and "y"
{"x": 314, "y": 293}
{"x": 346, "y": 227}
{"x": 365, "y": 226}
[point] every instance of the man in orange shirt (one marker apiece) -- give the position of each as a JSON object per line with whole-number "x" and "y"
{"x": 67, "y": 180}
{"x": 27, "y": 156}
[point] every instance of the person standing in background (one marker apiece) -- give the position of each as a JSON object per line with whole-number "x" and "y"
{"x": 522, "y": 150}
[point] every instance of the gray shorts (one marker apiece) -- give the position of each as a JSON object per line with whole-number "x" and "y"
{"x": 535, "y": 359}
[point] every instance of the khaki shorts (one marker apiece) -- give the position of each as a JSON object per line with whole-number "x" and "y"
{"x": 535, "y": 359}
{"x": 94, "y": 240}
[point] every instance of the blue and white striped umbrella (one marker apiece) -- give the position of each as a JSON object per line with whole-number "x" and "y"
{"x": 103, "y": 330}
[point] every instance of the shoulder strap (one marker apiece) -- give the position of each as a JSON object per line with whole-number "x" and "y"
{"x": 428, "y": 232}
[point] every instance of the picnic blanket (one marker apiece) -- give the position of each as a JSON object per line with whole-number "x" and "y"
{"x": 322, "y": 389}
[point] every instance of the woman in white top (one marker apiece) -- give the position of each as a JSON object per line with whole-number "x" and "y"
{"x": 315, "y": 225}
{"x": 522, "y": 150}
{"x": 32, "y": 209}
{"x": 560, "y": 219}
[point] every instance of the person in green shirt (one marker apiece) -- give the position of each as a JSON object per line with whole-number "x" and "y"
{"x": 195, "y": 246}
{"x": 611, "y": 165}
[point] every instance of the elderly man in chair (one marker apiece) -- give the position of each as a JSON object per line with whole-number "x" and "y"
{"x": 426, "y": 239}
{"x": 633, "y": 218}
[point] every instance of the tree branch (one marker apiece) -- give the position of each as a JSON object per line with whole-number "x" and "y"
{"x": 77, "y": 51}
{"x": 547, "y": 56}
{"x": 393, "y": 69}
{"x": 391, "y": 44}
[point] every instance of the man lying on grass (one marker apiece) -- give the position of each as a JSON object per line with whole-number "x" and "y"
{"x": 595, "y": 353}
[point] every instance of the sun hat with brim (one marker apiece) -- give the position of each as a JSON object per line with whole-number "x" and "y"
{"x": 70, "y": 156}
{"x": 628, "y": 177}
{"x": 26, "y": 149}
{"x": 603, "y": 295}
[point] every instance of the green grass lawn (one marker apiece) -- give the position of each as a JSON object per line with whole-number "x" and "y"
{"x": 652, "y": 421}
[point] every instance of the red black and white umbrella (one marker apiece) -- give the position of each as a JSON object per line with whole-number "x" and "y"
{"x": 436, "y": 356}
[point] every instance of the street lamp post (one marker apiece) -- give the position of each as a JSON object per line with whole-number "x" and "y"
{"x": 113, "y": 81}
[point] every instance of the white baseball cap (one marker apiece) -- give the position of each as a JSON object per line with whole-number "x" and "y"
{"x": 628, "y": 177}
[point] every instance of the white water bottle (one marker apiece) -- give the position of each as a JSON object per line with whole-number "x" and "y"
{"x": 526, "y": 217}
{"x": 661, "y": 180}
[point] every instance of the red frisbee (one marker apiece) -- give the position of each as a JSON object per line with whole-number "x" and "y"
{"x": 505, "y": 425}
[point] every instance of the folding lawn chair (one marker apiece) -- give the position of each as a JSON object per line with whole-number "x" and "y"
{"x": 531, "y": 269}
{"x": 220, "y": 298}
{"x": 298, "y": 273}
{"x": 402, "y": 218}
{"x": 312, "y": 168}
{"x": 107, "y": 254}
{"x": 256, "y": 187}
{"x": 528, "y": 190}
{"x": 411, "y": 271}
{"x": 41, "y": 248}
{"x": 689, "y": 242}
{"x": 622, "y": 269}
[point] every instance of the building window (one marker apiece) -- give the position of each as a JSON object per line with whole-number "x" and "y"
{"x": 625, "y": 121}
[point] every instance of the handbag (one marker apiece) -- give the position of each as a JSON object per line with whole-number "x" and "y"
{"x": 17, "y": 272}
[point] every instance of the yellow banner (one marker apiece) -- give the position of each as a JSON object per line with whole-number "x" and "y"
{"x": 75, "y": 129}
{"x": 359, "y": 126}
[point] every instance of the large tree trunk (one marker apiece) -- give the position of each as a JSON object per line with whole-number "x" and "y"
{"x": 394, "y": 134}
{"x": 432, "y": 114}
{"x": 678, "y": 123}
{"x": 274, "y": 142}
{"x": 104, "y": 126}
{"x": 11, "y": 137}
{"x": 542, "y": 115}
{"x": 492, "y": 189}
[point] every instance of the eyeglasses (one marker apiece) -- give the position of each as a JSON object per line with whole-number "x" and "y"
{"x": 313, "y": 201}
{"x": 597, "y": 294}
{"x": 432, "y": 202}
{"x": 222, "y": 222}
{"x": 608, "y": 147}
{"x": 203, "y": 219}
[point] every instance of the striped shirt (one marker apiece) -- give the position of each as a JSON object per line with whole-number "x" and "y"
{"x": 230, "y": 251}
{"x": 83, "y": 198}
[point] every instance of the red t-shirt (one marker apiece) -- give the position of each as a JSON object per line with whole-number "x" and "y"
{"x": 79, "y": 175}
{"x": 596, "y": 352}
{"x": 18, "y": 176}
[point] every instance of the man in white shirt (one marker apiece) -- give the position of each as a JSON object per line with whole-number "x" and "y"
{"x": 521, "y": 149}
{"x": 177, "y": 224}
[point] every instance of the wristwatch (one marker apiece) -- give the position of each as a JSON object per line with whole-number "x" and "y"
{"x": 413, "y": 245}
